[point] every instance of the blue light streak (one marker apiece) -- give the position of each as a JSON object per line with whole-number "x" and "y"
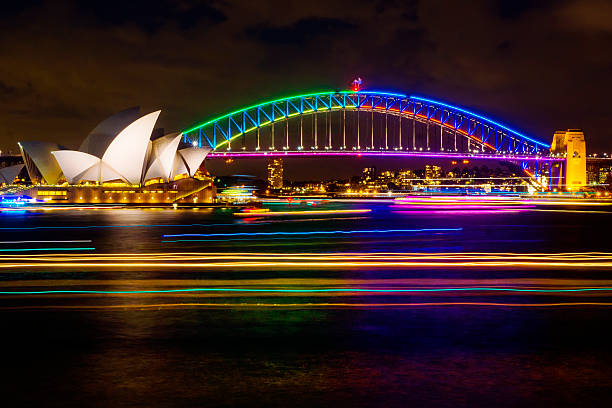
{"x": 233, "y": 234}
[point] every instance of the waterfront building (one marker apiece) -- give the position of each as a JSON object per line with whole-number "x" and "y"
{"x": 599, "y": 171}
{"x": 368, "y": 174}
{"x": 275, "y": 174}
{"x": 123, "y": 159}
{"x": 432, "y": 172}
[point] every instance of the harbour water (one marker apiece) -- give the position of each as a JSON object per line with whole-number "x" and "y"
{"x": 360, "y": 303}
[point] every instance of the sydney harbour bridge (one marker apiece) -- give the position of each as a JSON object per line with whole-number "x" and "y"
{"x": 370, "y": 123}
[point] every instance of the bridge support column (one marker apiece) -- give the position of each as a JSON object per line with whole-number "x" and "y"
{"x": 301, "y": 132}
{"x": 550, "y": 176}
{"x": 316, "y": 142}
{"x": 400, "y": 132}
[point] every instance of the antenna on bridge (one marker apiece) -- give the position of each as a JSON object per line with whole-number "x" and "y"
{"x": 356, "y": 84}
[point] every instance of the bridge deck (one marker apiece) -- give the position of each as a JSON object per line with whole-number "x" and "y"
{"x": 381, "y": 153}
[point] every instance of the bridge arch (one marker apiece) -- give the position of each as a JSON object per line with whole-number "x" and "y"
{"x": 439, "y": 126}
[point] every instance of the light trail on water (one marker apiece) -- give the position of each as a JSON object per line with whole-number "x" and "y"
{"x": 45, "y": 249}
{"x": 297, "y": 233}
{"x": 279, "y": 260}
{"x": 305, "y": 291}
{"x": 307, "y": 305}
{"x": 46, "y": 242}
{"x": 256, "y": 214}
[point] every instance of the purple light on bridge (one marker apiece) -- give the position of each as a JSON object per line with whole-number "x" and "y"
{"x": 361, "y": 153}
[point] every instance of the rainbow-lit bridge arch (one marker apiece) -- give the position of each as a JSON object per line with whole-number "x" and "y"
{"x": 362, "y": 123}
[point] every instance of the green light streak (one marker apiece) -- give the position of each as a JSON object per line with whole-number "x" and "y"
{"x": 345, "y": 290}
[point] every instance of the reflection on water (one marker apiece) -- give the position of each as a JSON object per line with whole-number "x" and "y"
{"x": 392, "y": 307}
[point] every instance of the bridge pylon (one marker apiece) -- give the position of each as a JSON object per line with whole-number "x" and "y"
{"x": 571, "y": 145}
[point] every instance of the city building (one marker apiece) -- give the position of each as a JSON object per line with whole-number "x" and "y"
{"x": 275, "y": 174}
{"x": 599, "y": 171}
{"x": 368, "y": 174}
{"x": 432, "y": 172}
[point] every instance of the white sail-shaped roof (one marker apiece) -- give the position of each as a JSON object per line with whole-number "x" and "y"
{"x": 162, "y": 156}
{"x": 179, "y": 166}
{"x": 194, "y": 156}
{"x": 8, "y": 174}
{"x": 75, "y": 164}
{"x": 39, "y": 161}
{"x": 126, "y": 154}
{"x": 103, "y": 135}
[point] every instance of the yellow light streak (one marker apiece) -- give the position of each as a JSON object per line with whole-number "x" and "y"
{"x": 303, "y": 305}
{"x": 247, "y": 260}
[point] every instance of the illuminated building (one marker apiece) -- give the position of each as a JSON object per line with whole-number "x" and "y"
{"x": 122, "y": 160}
{"x": 599, "y": 171}
{"x": 119, "y": 149}
{"x": 275, "y": 173}
{"x": 432, "y": 172}
{"x": 571, "y": 144}
{"x": 405, "y": 177}
{"x": 368, "y": 174}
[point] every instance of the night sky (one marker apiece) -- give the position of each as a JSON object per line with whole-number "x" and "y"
{"x": 535, "y": 65}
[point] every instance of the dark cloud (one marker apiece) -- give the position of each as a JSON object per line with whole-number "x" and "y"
{"x": 14, "y": 8}
{"x": 514, "y": 9}
{"x": 150, "y": 15}
{"x": 6, "y": 90}
{"x": 299, "y": 33}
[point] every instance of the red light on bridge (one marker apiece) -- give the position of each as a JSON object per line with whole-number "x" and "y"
{"x": 356, "y": 84}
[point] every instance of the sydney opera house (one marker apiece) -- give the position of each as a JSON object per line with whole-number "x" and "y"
{"x": 124, "y": 159}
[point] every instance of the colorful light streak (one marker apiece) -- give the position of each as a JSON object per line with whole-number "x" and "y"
{"x": 45, "y": 242}
{"x": 302, "y": 290}
{"x": 174, "y": 261}
{"x": 260, "y": 305}
{"x": 44, "y": 249}
{"x": 116, "y": 226}
{"x": 447, "y": 211}
{"x": 313, "y": 232}
{"x": 256, "y": 214}
{"x": 493, "y": 200}
{"x": 58, "y": 208}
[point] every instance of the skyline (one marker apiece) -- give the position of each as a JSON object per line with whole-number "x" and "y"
{"x": 528, "y": 71}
